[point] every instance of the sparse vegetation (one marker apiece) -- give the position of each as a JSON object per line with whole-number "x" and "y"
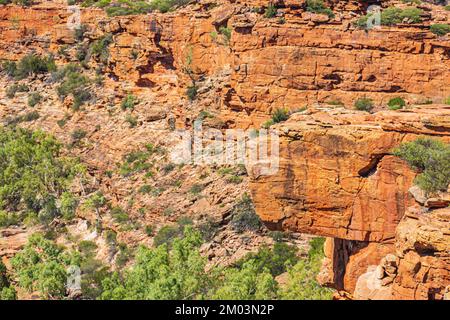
{"x": 364, "y": 104}
{"x": 99, "y": 48}
{"x": 396, "y": 103}
{"x": 431, "y": 158}
{"x": 34, "y": 98}
{"x": 75, "y": 84}
{"x": 393, "y": 15}
{"x": 279, "y": 115}
{"x": 129, "y": 102}
{"x": 191, "y": 92}
{"x": 29, "y": 65}
{"x": 440, "y": 29}
{"x": 12, "y": 90}
{"x": 271, "y": 11}
{"x": 244, "y": 216}
{"x": 318, "y": 6}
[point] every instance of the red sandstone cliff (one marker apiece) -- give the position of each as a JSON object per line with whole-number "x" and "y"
{"x": 337, "y": 177}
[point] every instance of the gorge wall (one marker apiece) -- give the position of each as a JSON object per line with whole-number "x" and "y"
{"x": 337, "y": 177}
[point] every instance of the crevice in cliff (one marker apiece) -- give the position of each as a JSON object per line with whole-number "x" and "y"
{"x": 371, "y": 167}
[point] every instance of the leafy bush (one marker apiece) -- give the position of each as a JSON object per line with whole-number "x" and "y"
{"x": 34, "y": 98}
{"x": 132, "y": 120}
{"x": 191, "y": 92}
{"x": 99, "y": 48}
{"x": 196, "y": 189}
{"x": 129, "y": 102}
{"x": 276, "y": 260}
{"x": 30, "y": 64}
{"x": 166, "y": 235}
{"x": 431, "y": 158}
{"x": 11, "y": 91}
{"x": 317, "y": 6}
{"x": 7, "y": 292}
{"x": 178, "y": 272}
{"x": 32, "y": 172}
{"x": 396, "y": 103}
{"x": 271, "y": 11}
{"x": 302, "y": 283}
{"x": 280, "y": 115}
{"x": 244, "y": 216}
{"x": 77, "y": 135}
{"x": 135, "y": 162}
{"x": 393, "y": 15}
{"x": 412, "y": 14}
{"x": 364, "y": 104}
{"x": 226, "y": 32}
{"x": 41, "y": 266}
{"x": 80, "y": 31}
{"x": 119, "y": 215}
{"x": 75, "y": 84}
{"x": 440, "y": 29}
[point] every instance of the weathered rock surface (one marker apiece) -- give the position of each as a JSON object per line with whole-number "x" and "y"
{"x": 338, "y": 178}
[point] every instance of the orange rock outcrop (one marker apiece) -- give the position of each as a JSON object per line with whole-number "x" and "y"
{"x": 338, "y": 178}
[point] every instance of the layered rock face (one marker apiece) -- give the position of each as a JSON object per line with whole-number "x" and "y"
{"x": 338, "y": 178}
{"x": 265, "y": 64}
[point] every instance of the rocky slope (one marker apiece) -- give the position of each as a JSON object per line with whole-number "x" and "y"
{"x": 337, "y": 177}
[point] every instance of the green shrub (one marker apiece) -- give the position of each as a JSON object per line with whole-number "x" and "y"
{"x": 75, "y": 84}
{"x": 11, "y": 91}
{"x": 99, "y": 48}
{"x": 277, "y": 260}
{"x": 447, "y": 7}
{"x": 126, "y": 7}
{"x": 34, "y": 98}
{"x": 280, "y": 115}
{"x": 393, "y": 15}
{"x": 412, "y": 14}
{"x": 271, "y": 11}
{"x": 41, "y": 266}
{"x": 244, "y": 216}
{"x": 317, "y": 6}
{"x": 32, "y": 172}
{"x": 226, "y": 32}
{"x": 68, "y": 205}
{"x": 302, "y": 283}
{"x": 166, "y": 235}
{"x": 364, "y": 104}
{"x": 30, "y": 64}
{"x": 119, "y": 215}
{"x": 447, "y": 101}
{"x": 177, "y": 271}
{"x": 208, "y": 228}
{"x": 7, "y": 292}
{"x": 196, "y": 189}
{"x": 132, "y": 120}
{"x": 77, "y": 135}
{"x": 431, "y": 158}
{"x": 10, "y": 68}
{"x": 145, "y": 189}
{"x": 440, "y": 29}
{"x": 149, "y": 230}
{"x": 80, "y": 31}
{"x": 129, "y": 102}
{"x": 234, "y": 179}
{"x": 191, "y": 92}
{"x": 396, "y": 103}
